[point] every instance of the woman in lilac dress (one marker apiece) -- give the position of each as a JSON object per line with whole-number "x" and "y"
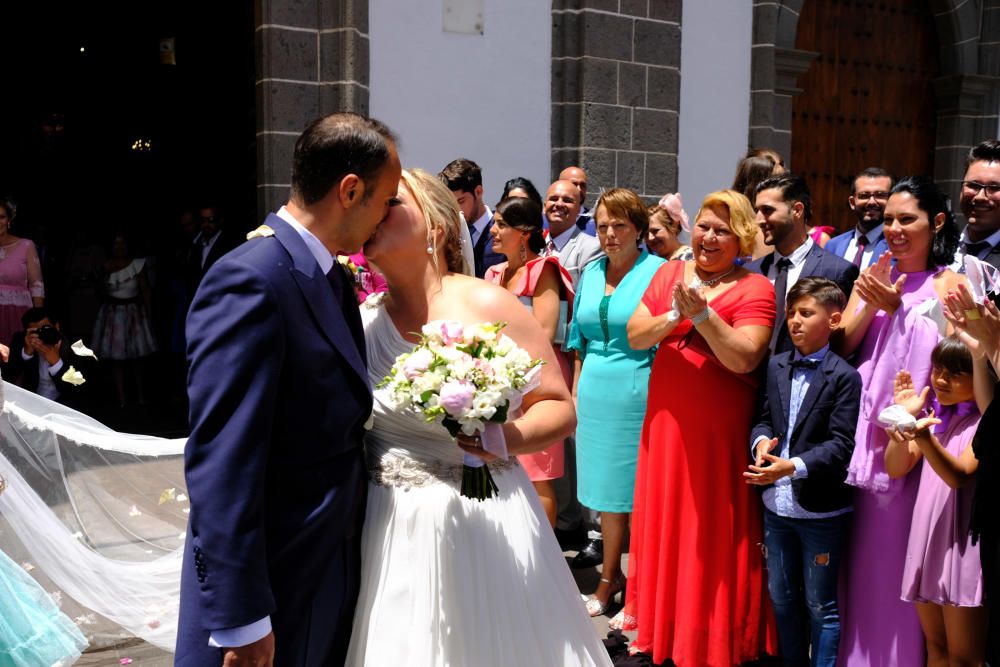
{"x": 943, "y": 576}
{"x": 893, "y": 320}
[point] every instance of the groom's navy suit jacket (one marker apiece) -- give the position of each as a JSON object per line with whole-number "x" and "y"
{"x": 279, "y": 397}
{"x": 823, "y": 432}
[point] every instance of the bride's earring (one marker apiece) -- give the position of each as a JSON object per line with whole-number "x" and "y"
{"x": 430, "y": 246}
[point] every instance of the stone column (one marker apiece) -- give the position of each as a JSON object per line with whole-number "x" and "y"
{"x": 615, "y": 92}
{"x": 311, "y": 60}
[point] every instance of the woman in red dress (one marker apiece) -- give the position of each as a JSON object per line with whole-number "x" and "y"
{"x": 547, "y": 290}
{"x": 696, "y": 572}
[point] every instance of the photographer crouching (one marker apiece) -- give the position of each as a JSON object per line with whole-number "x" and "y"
{"x": 42, "y": 361}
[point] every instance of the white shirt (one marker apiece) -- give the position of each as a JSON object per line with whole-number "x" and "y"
{"x": 959, "y": 264}
{"x": 248, "y": 634}
{"x": 316, "y": 247}
{"x": 872, "y": 235}
{"x": 46, "y": 384}
{"x": 477, "y": 228}
{"x": 798, "y": 260}
{"x": 207, "y": 247}
{"x": 561, "y": 240}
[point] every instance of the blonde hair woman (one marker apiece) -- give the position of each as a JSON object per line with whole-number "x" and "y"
{"x": 712, "y": 322}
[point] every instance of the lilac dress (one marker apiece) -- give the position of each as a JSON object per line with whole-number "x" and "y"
{"x": 878, "y": 629}
{"x": 942, "y": 564}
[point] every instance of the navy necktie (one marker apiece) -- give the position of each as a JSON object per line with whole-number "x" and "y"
{"x": 780, "y": 287}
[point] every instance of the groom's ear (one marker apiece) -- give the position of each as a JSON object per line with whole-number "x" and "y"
{"x": 351, "y": 190}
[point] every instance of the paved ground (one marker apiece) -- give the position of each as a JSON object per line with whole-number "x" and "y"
{"x": 142, "y": 654}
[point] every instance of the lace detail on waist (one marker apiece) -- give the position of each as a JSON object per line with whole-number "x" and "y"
{"x": 406, "y": 473}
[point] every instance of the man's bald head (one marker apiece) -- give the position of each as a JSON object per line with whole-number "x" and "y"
{"x": 562, "y": 206}
{"x": 577, "y": 177}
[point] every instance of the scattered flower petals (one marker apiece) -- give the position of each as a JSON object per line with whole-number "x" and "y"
{"x": 181, "y": 536}
{"x": 125, "y": 661}
{"x": 85, "y": 619}
{"x": 186, "y": 510}
{"x": 56, "y": 597}
{"x": 181, "y": 498}
{"x": 153, "y": 623}
{"x": 78, "y": 535}
{"x": 134, "y": 511}
{"x": 28, "y": 567}
{"x": 167, "y": 495}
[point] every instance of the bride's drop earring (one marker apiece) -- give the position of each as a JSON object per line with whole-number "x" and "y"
{"x": 430, "y": 247}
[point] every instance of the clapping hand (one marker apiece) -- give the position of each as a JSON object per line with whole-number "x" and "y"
{"x": 919, "y": 432}
{"x": 905, "y": 395}
{"x": 689, "y": 301}
{"x": 978, "y": 324}
{"x": 874, "y": 286}
{"x": 768, "y": 468}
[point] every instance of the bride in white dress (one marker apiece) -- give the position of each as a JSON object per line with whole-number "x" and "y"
{"x": 447, "y": 580}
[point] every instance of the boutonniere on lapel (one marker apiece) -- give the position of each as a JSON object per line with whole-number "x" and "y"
{"x": 352, "y": 270}
{"x": 260, "y": 233}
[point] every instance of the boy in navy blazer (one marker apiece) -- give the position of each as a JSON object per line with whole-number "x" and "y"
{"x": 801, "y": 445}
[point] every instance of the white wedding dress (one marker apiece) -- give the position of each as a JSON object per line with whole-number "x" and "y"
{"x": 448, "y": 580}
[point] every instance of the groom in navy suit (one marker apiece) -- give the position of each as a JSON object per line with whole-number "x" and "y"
{"x": 784, "y": 207}
{"x": 279, "y": 398}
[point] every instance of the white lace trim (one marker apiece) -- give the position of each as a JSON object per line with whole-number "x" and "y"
{"x": 16, "y": 297}
{"x": 406, "y": 473}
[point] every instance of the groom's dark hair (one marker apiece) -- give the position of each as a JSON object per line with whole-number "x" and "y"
{"x": 333, "y": 147}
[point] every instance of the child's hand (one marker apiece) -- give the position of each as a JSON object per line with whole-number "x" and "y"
{"x": 906, "y": 396}
{"x": 775, "y": 469}
{"x": 763, "y": 447}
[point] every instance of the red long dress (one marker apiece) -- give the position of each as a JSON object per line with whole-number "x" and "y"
{"x": 696, "y": 571}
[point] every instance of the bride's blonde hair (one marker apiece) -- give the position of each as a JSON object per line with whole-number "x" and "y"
{"x": 440, "y": 210}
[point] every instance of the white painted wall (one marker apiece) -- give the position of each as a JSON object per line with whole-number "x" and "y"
{"x": 714, "y": 119}
{"x": 482, "y": 97}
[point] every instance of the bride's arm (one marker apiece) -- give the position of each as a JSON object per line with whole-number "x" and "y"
{"x": 548, "y": 412}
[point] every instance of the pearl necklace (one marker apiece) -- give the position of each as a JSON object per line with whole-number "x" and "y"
{"x": 712, "y": 282}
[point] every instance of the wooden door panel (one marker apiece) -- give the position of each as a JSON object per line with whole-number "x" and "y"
{"x": 867, "y": 99}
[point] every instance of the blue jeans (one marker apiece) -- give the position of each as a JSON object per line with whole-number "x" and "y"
{"x": 803, "y": 556}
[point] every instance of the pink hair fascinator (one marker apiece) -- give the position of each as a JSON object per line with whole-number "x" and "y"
{"x": 671, "y": 203}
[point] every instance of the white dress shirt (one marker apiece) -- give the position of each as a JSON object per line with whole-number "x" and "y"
{"x": 207, "y": 246}
{"x": 248, "y": 634}
{"x": 798, "y": 260}
{"x": 561, "y": 240}
{"x": 959, "y": 264}
{"x": 872, "y": 235}
{"x": 46, "y": 384}
{"x": 480, "y": 225}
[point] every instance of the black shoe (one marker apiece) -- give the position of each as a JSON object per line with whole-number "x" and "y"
{"x": 572, "y": 538}
{"x": 590, "y": 555}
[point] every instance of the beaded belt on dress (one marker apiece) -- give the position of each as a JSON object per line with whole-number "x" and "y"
{"x": 406, "y": 473}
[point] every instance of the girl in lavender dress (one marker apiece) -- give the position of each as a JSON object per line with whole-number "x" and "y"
{"x": 943, "y": 576}
{"x": 893, "y": 320}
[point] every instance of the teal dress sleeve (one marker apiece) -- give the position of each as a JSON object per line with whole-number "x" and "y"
{"x": 576, "y": 340}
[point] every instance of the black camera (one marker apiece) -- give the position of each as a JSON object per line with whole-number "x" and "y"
{"x": 48, "y": 334}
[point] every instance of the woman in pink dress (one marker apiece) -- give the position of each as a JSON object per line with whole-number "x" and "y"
{"x": 21, "y": 284}
{"x": 544, "y": 287}
{"x": 943, "y": 575}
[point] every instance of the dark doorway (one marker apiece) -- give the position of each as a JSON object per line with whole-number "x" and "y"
{"x": 867, "y": 99}
{"x": 116, "y": 117}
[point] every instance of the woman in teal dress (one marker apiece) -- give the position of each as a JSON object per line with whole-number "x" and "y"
{"x": 33, "y": 632}
{"x": 611, "y": 379}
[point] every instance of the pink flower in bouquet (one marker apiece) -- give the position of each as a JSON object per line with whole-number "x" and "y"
{"x": 456, "y": 397}
{"x": 451, "y": 332}
{"x": 417, "y": 363}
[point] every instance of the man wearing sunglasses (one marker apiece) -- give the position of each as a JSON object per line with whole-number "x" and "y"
{"x": 980, "y": 203}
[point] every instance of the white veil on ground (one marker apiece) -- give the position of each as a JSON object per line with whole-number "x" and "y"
{"x": 97, "y": 517}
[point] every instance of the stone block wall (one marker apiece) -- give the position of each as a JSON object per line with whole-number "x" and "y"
{"x": 616, "y": 92}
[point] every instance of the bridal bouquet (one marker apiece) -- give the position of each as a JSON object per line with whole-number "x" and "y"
{"x": 468, "y": 379}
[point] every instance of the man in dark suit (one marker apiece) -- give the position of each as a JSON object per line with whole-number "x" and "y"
{"x": 863, "y": 245}
{"x": 784, "y": 208}
{"x": 43, "y": 362}
{"x": 801, "y": 445}
{"x": 279, "y": 397}
{"x": 980, "y": 203}
{"x": 465, "y": 180}
{"x": 215, "y": 238}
